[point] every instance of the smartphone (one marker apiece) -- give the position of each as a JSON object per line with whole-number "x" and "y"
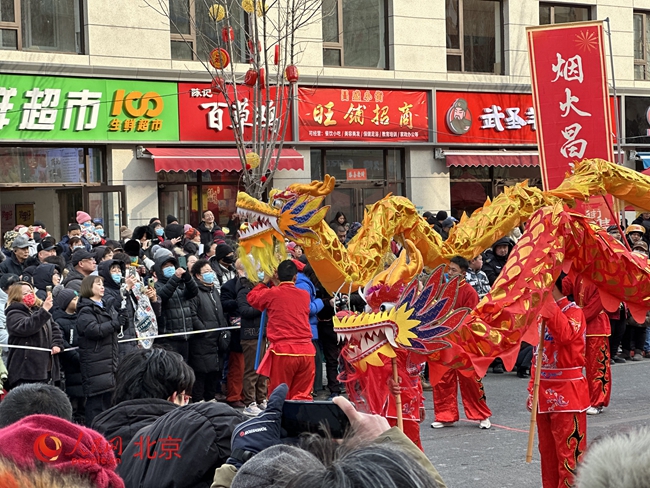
{"x": 48, "y": 289}
{"x": 302, "y": 416}
{"x": 182, "y": 262}
{"x": 151, "y": 282}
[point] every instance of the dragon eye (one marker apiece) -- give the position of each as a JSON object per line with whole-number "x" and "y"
{"x": 277, "y": 203}
{"x": 386, "y": 306}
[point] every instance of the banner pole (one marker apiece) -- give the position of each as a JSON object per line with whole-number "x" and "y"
{"x": 535, "y": 402}
{"x": 617, "y": 116}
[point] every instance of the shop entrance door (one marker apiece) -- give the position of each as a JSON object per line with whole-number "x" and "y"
{"x": 172, "y": 202}
{"x": 109, "y": 204}
{"x": 352, "y": 199}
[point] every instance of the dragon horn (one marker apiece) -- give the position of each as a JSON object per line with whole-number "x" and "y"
{"x": 315, "y": 188}
{"x": 402, "y": 271}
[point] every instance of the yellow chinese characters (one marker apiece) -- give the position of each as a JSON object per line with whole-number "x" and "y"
{"x": 324, "y": 111}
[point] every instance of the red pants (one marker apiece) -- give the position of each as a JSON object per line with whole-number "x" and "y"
{"x": 445, "y": 403}
{"x": 411, "y": 430}
{"x": 562, "y": 441}
{"x": 297, "y": 372}
{"x": 599, "y": 374}
{"x": 235, "y": 378}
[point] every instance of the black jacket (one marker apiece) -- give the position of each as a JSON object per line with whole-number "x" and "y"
{"x": 43, "y": 278}
{"x": 175, "y": 294}
{"x": 207, "y": 313}
{"x": 120, "y": 423}
{"x": 231, "y": 310}
{"x": 32, "y": 327}
{"x": 493, "y": 264}
{"x": 203, "y": 431}
{"x": 98, "y": 348}
{"x": 73, "y": 280}
{"x": 207, "y": 235}
{"x": 11, "y": 265}
{"x": 69, "y": 359}
{"x": 250, "y": 317}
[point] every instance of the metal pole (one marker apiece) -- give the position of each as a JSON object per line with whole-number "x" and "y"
{"x": 616, "y": 108}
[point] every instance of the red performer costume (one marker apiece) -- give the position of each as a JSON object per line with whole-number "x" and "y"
{"x": 597, "y": 353}
{"x": 445, "y": 391}
{"x": 563, "y": 394}
{"x": 375, "y": 397}
{"x": 290, "y": 356}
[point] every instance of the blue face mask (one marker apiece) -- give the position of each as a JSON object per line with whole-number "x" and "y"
{"x": 160, "y": 231}
{"x": 260, "y": 275}
{"x": 77, "y": 247}
{"x": 117, "y": 277}
{"x": 169, "y": 271}
{"x": 134, "y": 260}
{"x": 208, "y": 277}
{"x": 99, "y": 232}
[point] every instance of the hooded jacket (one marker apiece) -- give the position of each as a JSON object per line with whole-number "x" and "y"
{"x": 207, "y": 313}
{"x": 315, "y": 304}
{"x": 43, "y": 278}
{"x": 203, "y": 432}
{"x": 98, "y": 348}
{"x": 73, "y": 280}
{"x": 250, "y": 317}
{"x": 11, "y": 265}
{"x": 175, "y": 294}
{"x": 120, "y": 423}
{"x": 32, "y": 327}
{"x": 69, "y": 359}
{"x": 493, "y": 264}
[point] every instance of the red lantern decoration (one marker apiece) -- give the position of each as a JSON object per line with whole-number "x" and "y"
{"x": 263, "y": 179}
{"x": 228, "y": 34}
{"x": 291, "y": 73}
{"x": 276, "y": 57}
{"x": 262, "y": 78}
{"x": 248, "y": 167}
{"x": 218, "y": 85}
{"x": 219, "y": 58}
{"x": 251, "y": 48}
{"x": 251, "y": 77}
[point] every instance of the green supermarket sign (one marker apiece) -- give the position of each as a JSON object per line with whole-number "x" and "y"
{"x": 87, "y": 109}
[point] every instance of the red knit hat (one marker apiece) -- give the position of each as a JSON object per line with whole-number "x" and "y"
{"x": 51, "y": 441}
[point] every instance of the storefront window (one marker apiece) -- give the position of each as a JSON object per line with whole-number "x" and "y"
{"x": 177, "y": 177}
{"x": 315, "y": 157}
{"x": 41, "y": 165}
{"x": 338, "y": 161}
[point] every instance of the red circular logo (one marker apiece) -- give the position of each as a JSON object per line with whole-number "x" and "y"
{"x": 45, "y": 453}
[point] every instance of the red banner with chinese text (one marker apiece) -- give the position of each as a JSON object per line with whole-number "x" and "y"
{"x": 351, "y": 114}
{"x": 571, "y": 100}
{"x": 570, "y": 96}
{"x": 204, "y": 116}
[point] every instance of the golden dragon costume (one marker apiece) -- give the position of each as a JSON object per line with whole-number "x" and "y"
{"x": 425, "y": 322}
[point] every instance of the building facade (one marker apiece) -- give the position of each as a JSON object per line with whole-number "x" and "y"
{"x": 105, "y": 106}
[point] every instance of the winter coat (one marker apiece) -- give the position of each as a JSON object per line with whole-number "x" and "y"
{"x": 223, "y": 274}
{"x": 32, "y": 327}
{"x": 120, "y": 423}
{"x": 204, "y": 430}
{"x": 42, "y": 276}
{"x": 207, "y": 313}
{"x": 98, "y": 348}
{"x": 65, "y": 246}
{"x": 315, "y": 304}
{"x": 207, "y": 235}
{"x": 493, "y": 264}
{"x": 231, "y": 311}
{"x": 175, "y": 294}
{"x": 69, "y": 359}
{"x": 250, "y": 317}
{"x": 73, "y": 280}
{"x": 11, "y": 265}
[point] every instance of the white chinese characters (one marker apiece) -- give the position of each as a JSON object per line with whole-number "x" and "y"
{"x": 494, "y": 118}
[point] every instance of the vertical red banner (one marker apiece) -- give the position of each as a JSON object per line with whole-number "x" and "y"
{"x": 571, "y": 98}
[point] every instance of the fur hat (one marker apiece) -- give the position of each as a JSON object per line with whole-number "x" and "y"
{"x": 272, "y": 465}
{"x": 125, "y": 232}
{"x": 82, "y": 217}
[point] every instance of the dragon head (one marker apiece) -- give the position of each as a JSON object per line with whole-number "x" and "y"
{"x": 399, "y": 315}
{"x": 291, "y": 214}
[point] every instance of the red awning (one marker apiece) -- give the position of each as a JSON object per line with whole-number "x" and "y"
{"x": 491, "y": 158}
{"x": 204, "y": 159}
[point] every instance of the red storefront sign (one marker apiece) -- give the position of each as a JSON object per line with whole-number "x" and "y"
{"x": 485, "y": 118}
{"x": 360, "y": 114}
{"x": 570, "y": 95}
{"x": 356, "y": 174}
{"x": 204, "y": 116}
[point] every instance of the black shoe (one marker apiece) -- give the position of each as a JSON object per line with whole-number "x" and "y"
{"x": 619, "y": 360}
{"x": 498, "y": 369}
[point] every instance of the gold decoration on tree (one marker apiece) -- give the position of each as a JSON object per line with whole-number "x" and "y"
{"x": 248, "y": 6}
{"x": 253, "y": 159}
{"x": 217, "y": 12}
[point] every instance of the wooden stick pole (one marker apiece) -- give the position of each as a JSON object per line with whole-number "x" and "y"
{"x": 398, "y": 397}
{"x": 533, "y": 412}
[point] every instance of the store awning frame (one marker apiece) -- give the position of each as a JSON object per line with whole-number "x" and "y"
{"x": 466, "y": 158}
{"x": 213, "y": 159}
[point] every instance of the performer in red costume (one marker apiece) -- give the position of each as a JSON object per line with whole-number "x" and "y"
{"x": 290, "y": 356}
{"x": 563, "y": 392}
{"x": 597, "y": 353}
{"x": 445, "y": 391}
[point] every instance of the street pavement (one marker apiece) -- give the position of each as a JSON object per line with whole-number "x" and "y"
{"x": 467, "y": 456}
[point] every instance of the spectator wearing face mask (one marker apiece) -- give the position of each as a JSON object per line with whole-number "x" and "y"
{"x": 223, "y": 263}
{"x": 88, "y": 228}
{"x": 74, "y": 230}
{"x": 207, "y": 313}
{"x": 176, "y": 288}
